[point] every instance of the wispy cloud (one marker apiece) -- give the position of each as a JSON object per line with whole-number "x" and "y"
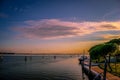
{"x": 109, "y": 36}
{"x": 103, "y": 35}
{"x": 113, "y": 14}
{"x": 55, "y": 28}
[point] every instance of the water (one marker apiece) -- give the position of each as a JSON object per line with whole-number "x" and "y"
{"x": 37, "y": 67}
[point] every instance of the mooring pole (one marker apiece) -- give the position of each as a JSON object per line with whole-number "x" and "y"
{"x": 83, "y": 65}
{"x": 105, "y": 70}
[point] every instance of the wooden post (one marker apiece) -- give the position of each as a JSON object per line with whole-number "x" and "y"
{"x": 90, "y": 64}
{"x": 115, "y": 63}
{"x": 83, "y": 65}
{"x": 105, "y": 70}
{"x": 89, "y": 72}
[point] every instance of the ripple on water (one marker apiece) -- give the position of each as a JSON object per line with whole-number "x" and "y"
{"x": 40, "y": 68}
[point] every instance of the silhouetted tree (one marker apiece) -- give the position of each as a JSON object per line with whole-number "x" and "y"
{"x": 102, "y": 50}
{"x": 117, "y": 42}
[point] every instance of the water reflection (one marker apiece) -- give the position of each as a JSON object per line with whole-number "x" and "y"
{"x": 54, "y": 57}
{"x": 1, "y": 58}
{"x": 83, "y": 74}
{"x": 25, "y": 58}
{"x": 84, "y": 77}
{"x": 40, "y": 68}
{"x": 30, "y": 58}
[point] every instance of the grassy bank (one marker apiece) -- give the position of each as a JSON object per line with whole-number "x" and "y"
{"x": 115, "y": 68}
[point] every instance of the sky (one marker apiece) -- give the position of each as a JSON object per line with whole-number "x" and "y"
{"x": 57, "y": 26}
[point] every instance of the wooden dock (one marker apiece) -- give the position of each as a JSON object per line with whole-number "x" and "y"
{"x": 108, "y": 75}
{"x": 95, "y": 70}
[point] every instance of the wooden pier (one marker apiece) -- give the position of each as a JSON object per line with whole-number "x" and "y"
{"x": 96, "y": 73}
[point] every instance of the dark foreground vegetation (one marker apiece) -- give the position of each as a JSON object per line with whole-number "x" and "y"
{"x": 108, "y": 56}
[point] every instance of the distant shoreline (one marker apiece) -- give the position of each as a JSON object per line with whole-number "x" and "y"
{"x": 41, "y": 53}
{"x": 6, "y": 53}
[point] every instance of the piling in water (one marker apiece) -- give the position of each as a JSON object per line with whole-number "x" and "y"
{"x": 92, "y": 75}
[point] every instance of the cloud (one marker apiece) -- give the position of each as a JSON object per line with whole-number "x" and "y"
{"x": 98, "y": 36}
{"x": 55, "y": 28}
{"x": 109, "y": 26}
{"x": 104, "y": 35}
{"x": 109, "y": 36}
{"x": 113, "y": 14}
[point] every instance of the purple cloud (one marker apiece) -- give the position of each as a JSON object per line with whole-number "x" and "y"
{"x": 54, "y": 28}
{"x": 108, "y": 26}
{"x": 49, "y": 31}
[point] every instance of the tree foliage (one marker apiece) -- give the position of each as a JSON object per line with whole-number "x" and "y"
{"x": 95, "y": 51}
{"x": 117, "y": 41}
{"x": 102, "y": 50}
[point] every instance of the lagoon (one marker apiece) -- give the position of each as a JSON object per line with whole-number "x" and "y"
{"x": 41, "y": 67}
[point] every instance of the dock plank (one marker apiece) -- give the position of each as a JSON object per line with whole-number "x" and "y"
{"x": 108, "y": 75}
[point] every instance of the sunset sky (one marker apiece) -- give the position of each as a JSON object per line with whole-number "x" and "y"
{"x": 57, "y": 26}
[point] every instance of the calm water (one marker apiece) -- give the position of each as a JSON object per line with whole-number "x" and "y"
{"x": 62, "y": 67}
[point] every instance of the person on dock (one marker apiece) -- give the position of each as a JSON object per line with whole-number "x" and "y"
{"x": 54, "y": 57}
{"x": 25, "y": 59}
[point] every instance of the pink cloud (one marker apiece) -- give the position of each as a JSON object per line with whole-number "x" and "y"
{"x": 55, "y": 28}
{"x": 109, "y": 36}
